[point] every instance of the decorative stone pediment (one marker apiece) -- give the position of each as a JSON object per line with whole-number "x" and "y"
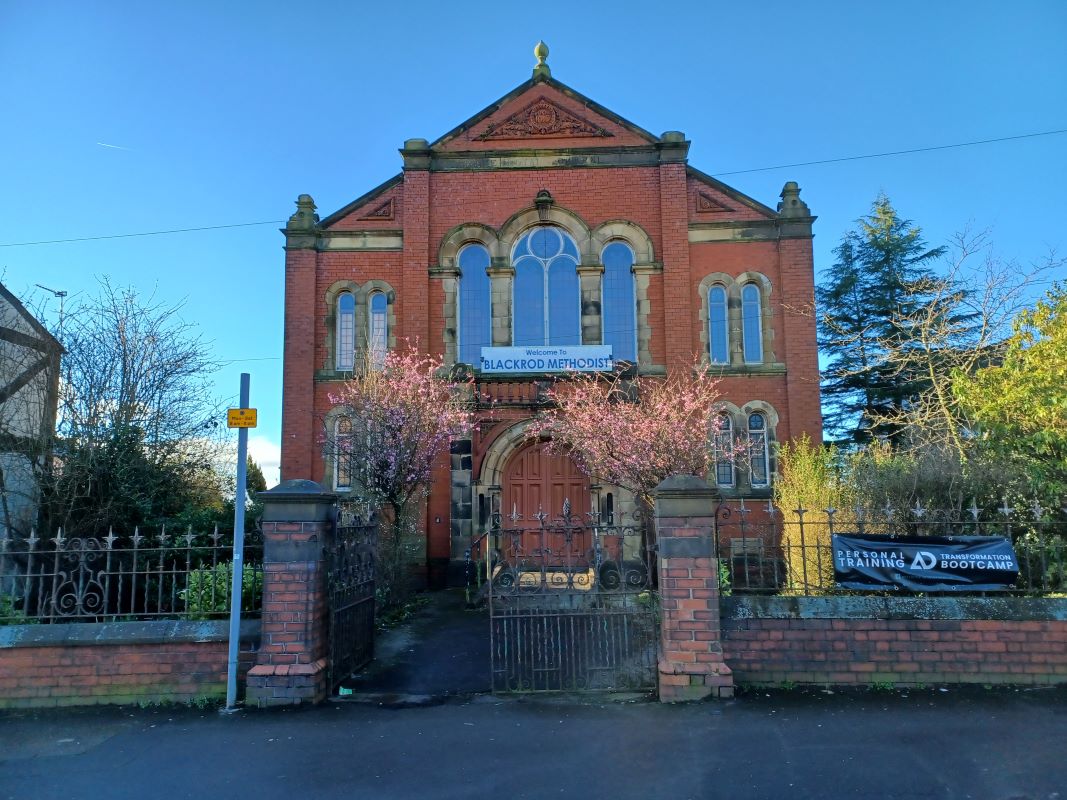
{"x": 706, "y": 204}
{"x": 381, "y": 211}
{"x": 543, "y": 119}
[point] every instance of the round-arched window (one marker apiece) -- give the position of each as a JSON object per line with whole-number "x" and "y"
{"x": 546, "y": 306}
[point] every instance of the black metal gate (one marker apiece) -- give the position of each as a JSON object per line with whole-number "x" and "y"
{"x": 572, "y": 605}
{"x": 350, "y": 593}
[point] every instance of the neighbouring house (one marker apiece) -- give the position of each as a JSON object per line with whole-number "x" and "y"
{"x": 29, "y": 393}
{"x": 548, "y": 233}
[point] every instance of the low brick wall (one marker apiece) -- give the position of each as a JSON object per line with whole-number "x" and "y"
{"x": 118, "y": 662}
{"x": 898, "y": 640}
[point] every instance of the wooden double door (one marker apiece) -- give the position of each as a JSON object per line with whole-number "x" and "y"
{"x": 538, "y": 480}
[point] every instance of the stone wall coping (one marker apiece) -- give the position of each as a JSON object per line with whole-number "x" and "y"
{"x": 298, "y": 490}
{"x": 1028, "y": 609}
{"x": 159, "y": 631}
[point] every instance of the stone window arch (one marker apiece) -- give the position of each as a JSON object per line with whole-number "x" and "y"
{"x": 747, "y": 332}
{"x": 760, "y": 430}
{"x": 644, "y": 265}
{"x": 338, "y": 358}
{"x": 759, "y": 321}
{"x": 337, "y": 429}
{"x": 564, "y": 218}
{"x": 449, "y": 271}
{"x": 363, "y": 295}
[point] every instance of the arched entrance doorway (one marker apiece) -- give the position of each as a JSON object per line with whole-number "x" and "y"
{"x": 536, "y": 479}
{"x": 537, "y": 483}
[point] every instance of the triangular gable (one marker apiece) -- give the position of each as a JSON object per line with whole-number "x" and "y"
{"x": 378, "y": 208}
{"x": 543, "y": 113}
{"x": 711, "y": 200}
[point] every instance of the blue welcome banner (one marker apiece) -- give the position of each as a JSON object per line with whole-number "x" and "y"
{"x": 574, "y": 358}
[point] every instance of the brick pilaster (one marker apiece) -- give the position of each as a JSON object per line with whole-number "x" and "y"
{"x": 691, "y": 665}
{"x": 674, "y": 248}
{"x": 413, "y": 301}
{"x": 298, "y": 368}
{"x": 291, "y": 665}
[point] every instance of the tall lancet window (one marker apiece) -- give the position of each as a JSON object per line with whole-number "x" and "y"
{"x": 475, "y": 316}
{"x": 378, "y": 330}
{"x": 619, "y": 307}
{"x": 719, "y": 329}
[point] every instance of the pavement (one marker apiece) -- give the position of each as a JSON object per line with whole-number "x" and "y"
{"x": 942, "y": 742}
{"x": 442, "y": 653}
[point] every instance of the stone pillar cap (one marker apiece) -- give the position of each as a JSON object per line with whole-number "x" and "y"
{"x": 299, "y": 490}
{"x": 683, "y": 483}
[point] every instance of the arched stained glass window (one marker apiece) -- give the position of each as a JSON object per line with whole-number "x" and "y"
{"x": 619, "y": 307}
{"x": 342, "y": 464}
{"x": 378, "y": 329}
{"x": 759, "y": 473}
{"x": 345, "y": 342}
{"x": 546, "y": 304}
{"x": 724, "y": 451}
{"x": 751, "y": 323}
{"x": 719, "y": 329}
{"x": 475, "y": 315}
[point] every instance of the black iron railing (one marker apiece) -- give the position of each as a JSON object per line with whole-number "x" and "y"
{"x": 763, "y": 550}
{"x": 142, "y": 576}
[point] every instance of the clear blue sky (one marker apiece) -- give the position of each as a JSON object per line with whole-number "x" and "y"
{"x": 227, "y": 111}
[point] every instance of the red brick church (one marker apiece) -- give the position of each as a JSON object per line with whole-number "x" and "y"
{"x": 547, "y": 233}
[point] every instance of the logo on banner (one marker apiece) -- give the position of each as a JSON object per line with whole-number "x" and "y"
{"x": 924, "y": 560}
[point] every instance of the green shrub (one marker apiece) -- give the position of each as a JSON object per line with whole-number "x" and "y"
{"x": 208, "y": 591}
{"x": 810, "y": 480}
{"x": 10, "y": 614}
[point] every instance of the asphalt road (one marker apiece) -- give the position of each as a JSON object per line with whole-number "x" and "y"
{"x": 986, "y": 745}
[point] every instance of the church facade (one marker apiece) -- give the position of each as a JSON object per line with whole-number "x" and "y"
{"x": 547, "y": 234}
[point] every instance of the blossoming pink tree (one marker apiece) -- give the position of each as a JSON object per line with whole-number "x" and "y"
{"x": 634, "y": 433}
{"x": 397, "y": 422}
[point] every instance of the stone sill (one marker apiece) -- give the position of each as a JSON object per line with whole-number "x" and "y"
{"x": 739, "y": 607}
{"x": 163, "y": 631}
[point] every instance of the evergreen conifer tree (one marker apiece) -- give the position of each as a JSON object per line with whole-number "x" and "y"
{"x": 880, "y": 280}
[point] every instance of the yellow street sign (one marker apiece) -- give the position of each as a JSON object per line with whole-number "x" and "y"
{"x": 241, "y": 418}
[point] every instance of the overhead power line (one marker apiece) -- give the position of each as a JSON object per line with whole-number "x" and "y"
{"x": 714, "y": 174}
{"x": 892, "y": 153}
{"x": 146, "y": 233}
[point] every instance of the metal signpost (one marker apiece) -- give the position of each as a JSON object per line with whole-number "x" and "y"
{"x": 241, "y": 418}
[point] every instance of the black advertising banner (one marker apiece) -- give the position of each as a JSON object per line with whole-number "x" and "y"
{"x": 924, "y": 563}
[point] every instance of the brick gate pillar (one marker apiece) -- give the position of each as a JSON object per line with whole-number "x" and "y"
{"x": 691, "y": 666}
{"x": 291, "y": 665}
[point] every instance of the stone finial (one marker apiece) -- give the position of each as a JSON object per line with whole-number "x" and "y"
{"x": 541, "y": 54}
{"x": 305, "y": 217}
{"x": 792, "y": 205}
